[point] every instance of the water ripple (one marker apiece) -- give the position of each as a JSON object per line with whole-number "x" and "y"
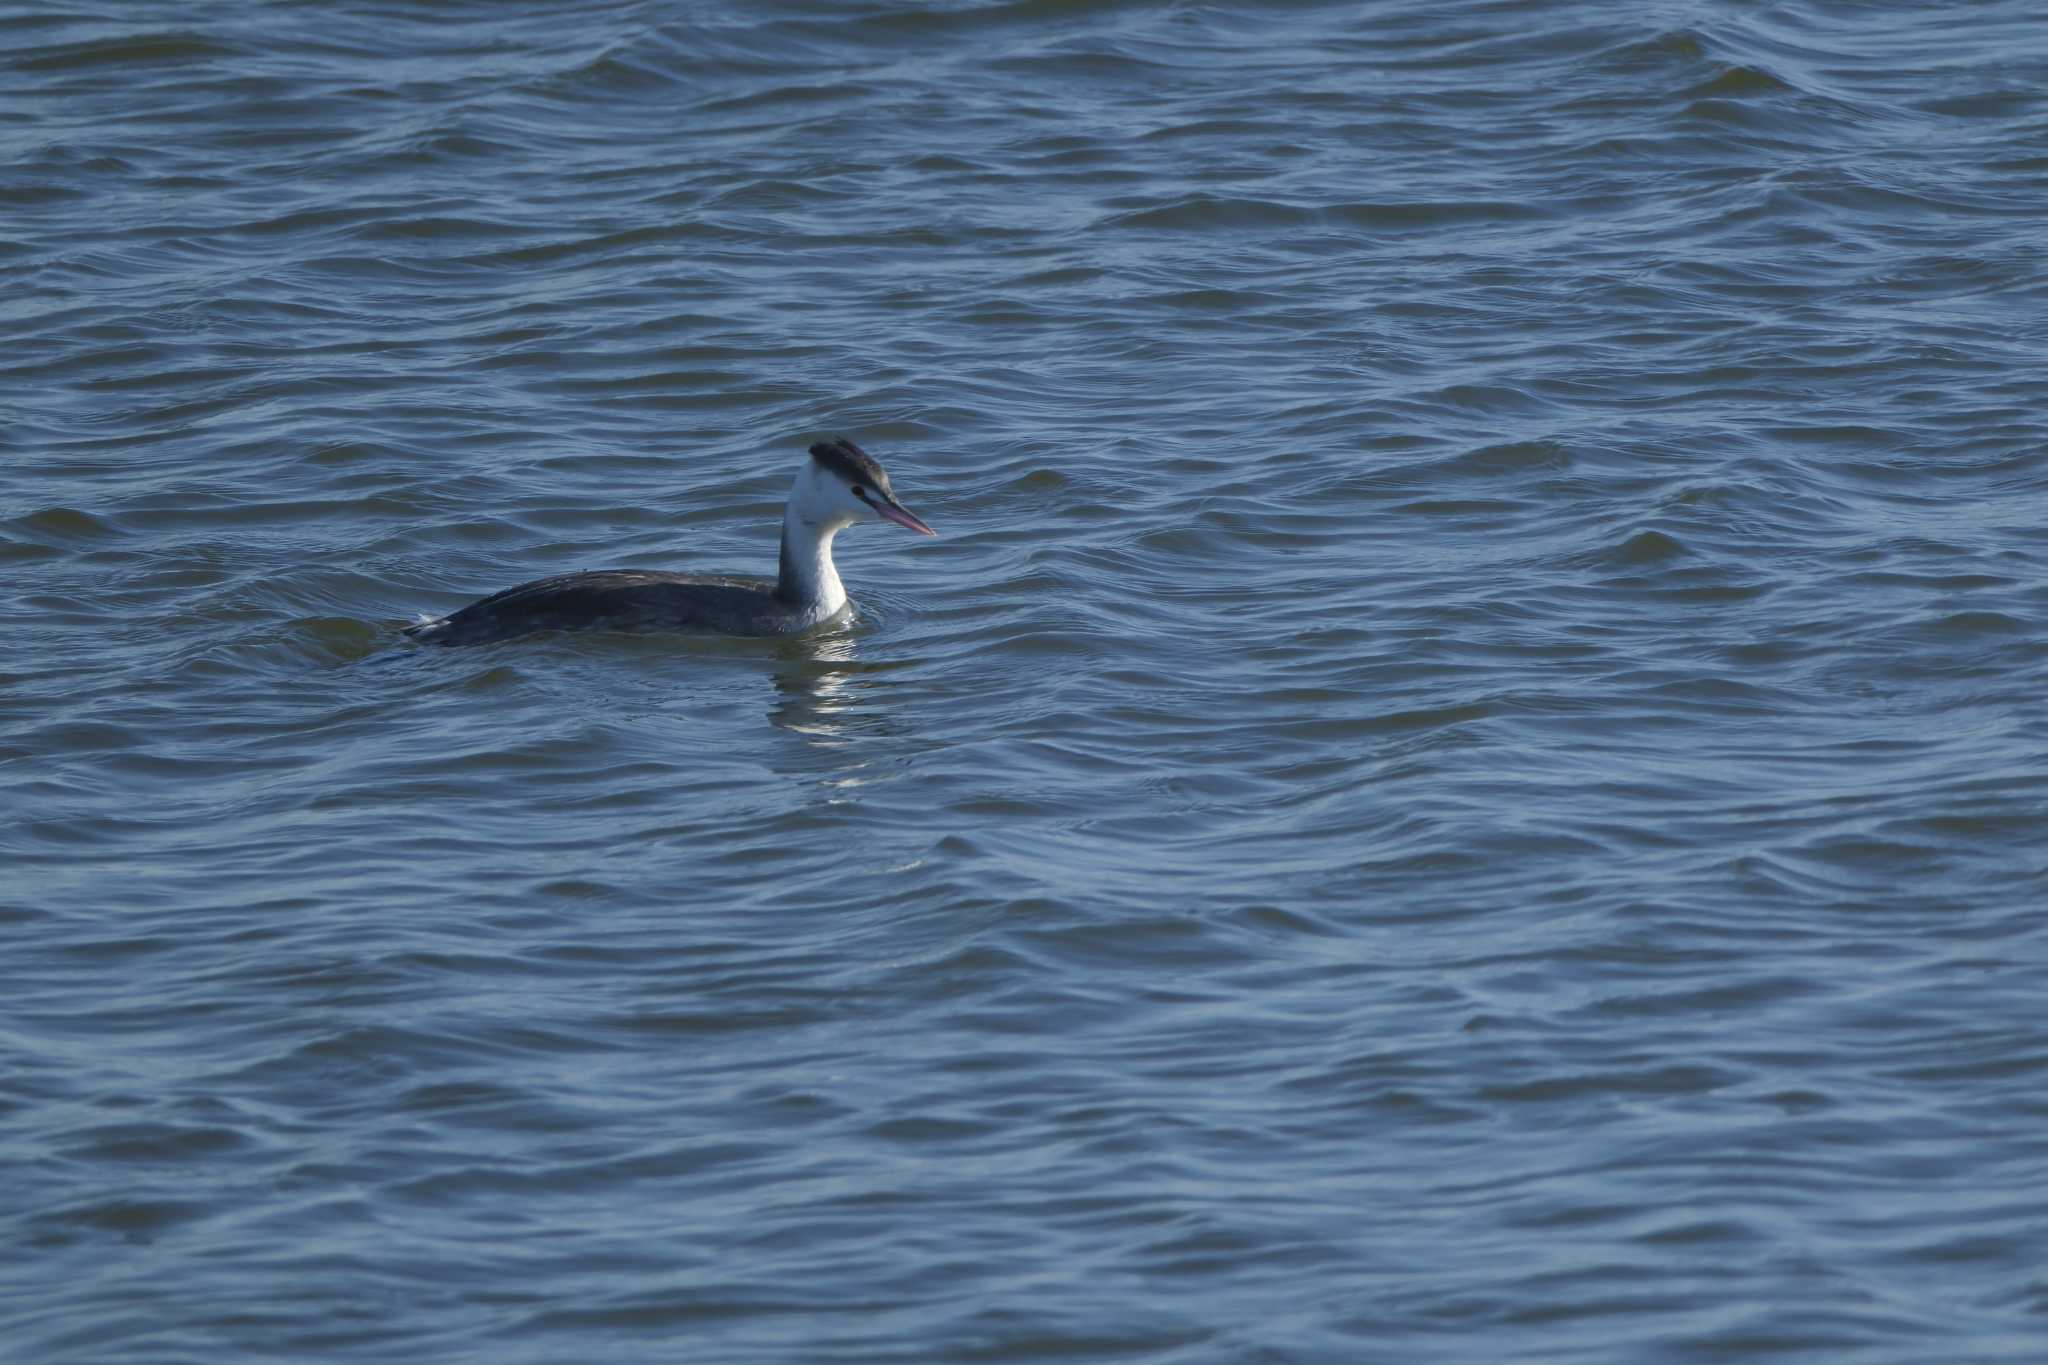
{"x": 1460, "y": 782}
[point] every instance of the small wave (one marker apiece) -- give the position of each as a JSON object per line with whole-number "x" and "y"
{"x": 139, "y": 50}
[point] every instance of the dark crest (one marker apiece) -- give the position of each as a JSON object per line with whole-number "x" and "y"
{"x": 850, "y": 463}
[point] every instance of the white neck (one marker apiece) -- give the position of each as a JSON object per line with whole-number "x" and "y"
{"x": 807, "y": 578}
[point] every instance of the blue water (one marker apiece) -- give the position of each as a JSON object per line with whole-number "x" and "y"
{"x": 1464, "y": 781}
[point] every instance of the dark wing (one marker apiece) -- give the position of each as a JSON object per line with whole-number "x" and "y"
{"x": 604, "y": 599}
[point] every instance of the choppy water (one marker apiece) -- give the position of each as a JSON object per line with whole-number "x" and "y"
{"x": 1465, "y": 781}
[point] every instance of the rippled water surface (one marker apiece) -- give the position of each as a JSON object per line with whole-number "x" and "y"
{"x": 1464, "y": 782}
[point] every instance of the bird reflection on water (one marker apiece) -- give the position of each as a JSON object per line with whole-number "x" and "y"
{"x": 824, "y": 693}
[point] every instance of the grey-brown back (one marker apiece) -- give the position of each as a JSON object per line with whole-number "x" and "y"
{"x": 620, "y": 599}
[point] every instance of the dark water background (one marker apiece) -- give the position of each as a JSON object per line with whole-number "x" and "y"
{"x": 1466, "y": 780}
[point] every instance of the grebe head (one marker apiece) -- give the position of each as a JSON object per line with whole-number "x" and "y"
{"x": 843, "y": 485}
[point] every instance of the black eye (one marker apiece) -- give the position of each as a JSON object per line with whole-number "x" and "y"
{"x": 860, "y": 492}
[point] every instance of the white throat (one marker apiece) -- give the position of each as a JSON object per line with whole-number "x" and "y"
{"x": 808, "y": 578}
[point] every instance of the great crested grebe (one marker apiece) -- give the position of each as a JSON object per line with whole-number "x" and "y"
{"x": 837, "y": 487}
